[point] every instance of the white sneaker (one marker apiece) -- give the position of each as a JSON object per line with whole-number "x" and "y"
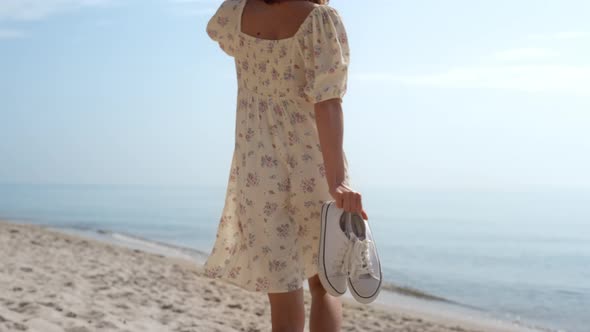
{"x": 364, "y": 269}
{"x": 334, "y": 249}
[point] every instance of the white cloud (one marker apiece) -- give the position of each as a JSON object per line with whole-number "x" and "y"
{"x": 537, "y": 70}
{"x": 562, "y": 35}
{"x": 11, "y": 34}
{"x": 522, "y": 54}
{"x": 38, "y": 9}
{"x": 530, "y": 78}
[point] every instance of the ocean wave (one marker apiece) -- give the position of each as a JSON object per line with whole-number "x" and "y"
{"x": 136, "y": 242}
{"x": 412, "y": 292}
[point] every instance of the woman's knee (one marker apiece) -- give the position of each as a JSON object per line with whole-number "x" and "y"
{"x": 287, "y": 311}
{"x": 315, "y": 286}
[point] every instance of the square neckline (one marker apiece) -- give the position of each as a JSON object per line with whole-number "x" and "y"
{"x": 241, "y": 14}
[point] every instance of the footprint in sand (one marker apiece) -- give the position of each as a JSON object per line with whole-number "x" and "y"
{"x": 105, "y": 325}
{"x": 77, "y": 329}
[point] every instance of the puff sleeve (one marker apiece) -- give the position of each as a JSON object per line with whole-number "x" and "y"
{"x": 222, "y": 27}
{"x": 326, "y": 55}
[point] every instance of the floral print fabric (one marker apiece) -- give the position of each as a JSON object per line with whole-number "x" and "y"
{"x": 268, "y": 234}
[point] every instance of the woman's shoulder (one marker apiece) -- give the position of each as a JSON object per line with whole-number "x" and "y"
{"x": 226, "y": 3}
{"x": 310, "y": 9}
{"x": 223, "y": 25}
{"x": 227, "y": 6}
{"x": 323, "y": 14}
{"x": 224, "y": 16}
{"x": 322, "y": 17}
{"x": 326, "y": 8}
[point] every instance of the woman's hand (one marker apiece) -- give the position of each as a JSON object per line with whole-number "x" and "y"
{"x": 348, "y": 199}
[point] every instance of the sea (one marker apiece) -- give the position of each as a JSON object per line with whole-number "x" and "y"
{"x": 521, "y": 256}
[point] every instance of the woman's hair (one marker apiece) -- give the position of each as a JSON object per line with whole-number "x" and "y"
{"x": 319, "y": 2}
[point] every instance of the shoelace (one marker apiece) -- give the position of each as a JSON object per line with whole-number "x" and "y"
{"x": 353, "y": 258}
{"x": 358, "y": 257}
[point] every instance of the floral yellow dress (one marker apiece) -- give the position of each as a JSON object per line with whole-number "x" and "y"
{"x": 268, "y": 234}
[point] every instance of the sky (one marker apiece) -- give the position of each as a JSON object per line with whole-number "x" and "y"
{"x": 441, "y": 94}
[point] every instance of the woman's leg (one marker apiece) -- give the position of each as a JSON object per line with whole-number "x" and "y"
{"x": 326, "y": 310}
{"x": 287, "y": 311}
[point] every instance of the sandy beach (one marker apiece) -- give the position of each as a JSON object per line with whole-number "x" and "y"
{"x": 51, "y": 281}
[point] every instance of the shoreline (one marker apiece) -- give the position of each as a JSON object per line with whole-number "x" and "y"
{"x": 419, "y": 311}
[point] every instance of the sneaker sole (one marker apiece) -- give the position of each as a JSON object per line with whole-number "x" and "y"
{"x": 322, "y": 268}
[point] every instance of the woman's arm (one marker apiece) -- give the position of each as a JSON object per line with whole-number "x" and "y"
{"x": 330, "y": 124}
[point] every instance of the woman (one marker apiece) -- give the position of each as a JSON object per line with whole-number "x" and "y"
{"x": 292, "y": 62}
